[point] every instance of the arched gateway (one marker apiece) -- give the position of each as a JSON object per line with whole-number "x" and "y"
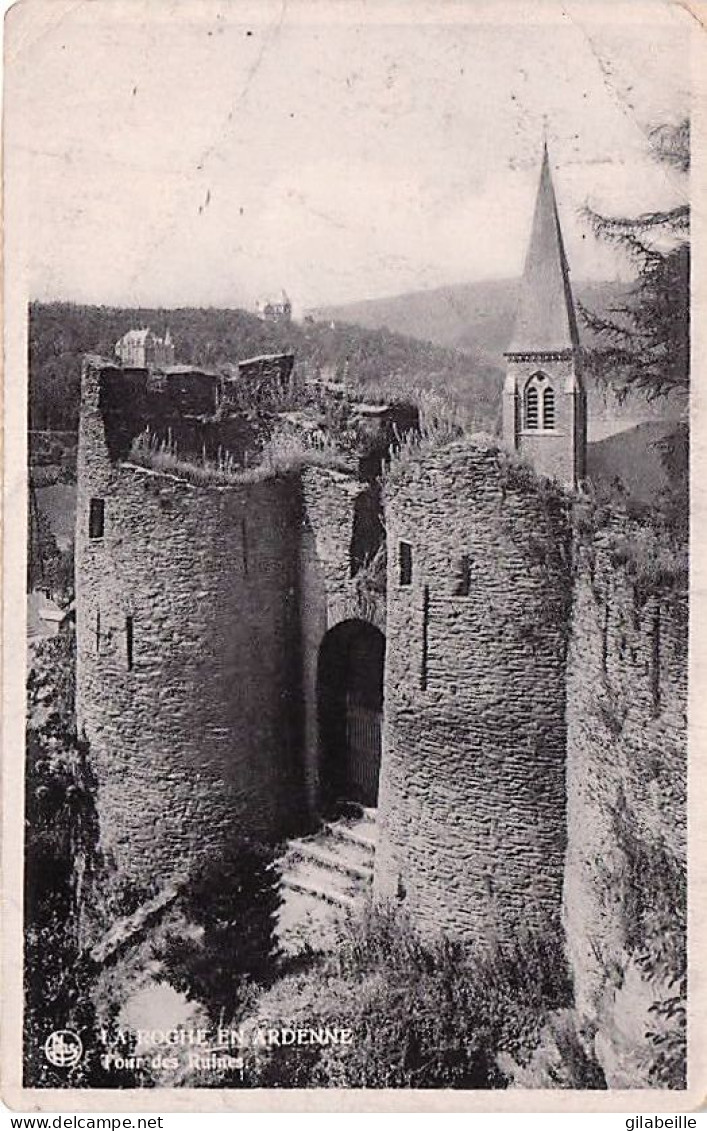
{"x": 350, "y": 705}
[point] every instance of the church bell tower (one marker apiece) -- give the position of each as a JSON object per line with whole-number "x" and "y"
{"x": 544, "y": 401}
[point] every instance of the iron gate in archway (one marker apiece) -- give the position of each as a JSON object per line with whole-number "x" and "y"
{"x": 351, "y": 662}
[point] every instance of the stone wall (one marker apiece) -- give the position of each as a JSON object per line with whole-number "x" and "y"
{"x": 560, "y": 453}
{"x": 535, "y": 698}
{"x": 472, "y": 793}
{"x": 329, "y": 591}
{"x": 626, "y": 785}
{"x": 188, "y": 655}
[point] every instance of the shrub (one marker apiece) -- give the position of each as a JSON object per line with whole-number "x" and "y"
{"x": 51, "y": 686}
{"x": 655, "y": 564}
{"x": 59, "y": 994}
{"x": 645, "y": 541}
{"x": 62, "y": 857}
{"x": 287, "y": 451}
{"x": 64, "y": 870}
{"x": 371, "y": 578}
{"x": 231, "y": 905}
{"x": 561, "y": 1059}
{"x": 59, "y": 576}
{"x": 653, "y": 890}
{"x": 423, "y": 1013}
{"x": 42, "y": 548}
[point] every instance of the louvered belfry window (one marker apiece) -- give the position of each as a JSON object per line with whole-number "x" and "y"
{"x": 532, "y": 413}
{"x": 539, "y": 404}
{"x": 549, "y": 408}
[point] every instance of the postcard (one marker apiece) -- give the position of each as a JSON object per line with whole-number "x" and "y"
{"x": 353, "y": 556}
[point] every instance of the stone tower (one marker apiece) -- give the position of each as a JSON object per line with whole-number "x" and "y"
{"x": 187, "y": 639}
{"x": 471, "y": 806}
{"x": 544, "y": 402}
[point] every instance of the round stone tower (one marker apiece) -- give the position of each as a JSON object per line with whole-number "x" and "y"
{"x": 472, "y": 792}
{"x": 186, "y": 646}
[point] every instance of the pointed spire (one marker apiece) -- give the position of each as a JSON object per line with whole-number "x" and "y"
{"x": 545, "y": 319}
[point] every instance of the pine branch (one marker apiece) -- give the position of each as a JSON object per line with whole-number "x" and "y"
{"x": 677, "y": 218}
{"x": 672, "y": 144}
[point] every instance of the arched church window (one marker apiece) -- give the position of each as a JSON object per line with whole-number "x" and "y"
{"x": 548, "y": 408}
{"x": 532, "y": 413}
{"x": 539, "y": 404}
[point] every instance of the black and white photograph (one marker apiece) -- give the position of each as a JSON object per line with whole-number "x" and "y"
{"x": 347, "y": 552}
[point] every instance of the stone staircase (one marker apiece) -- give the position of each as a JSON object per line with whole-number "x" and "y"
{"x": 324, "y": 877}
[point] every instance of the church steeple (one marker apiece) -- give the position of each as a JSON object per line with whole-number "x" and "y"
{"x": 545, "y": 319}
{"x": 544, "y": 404}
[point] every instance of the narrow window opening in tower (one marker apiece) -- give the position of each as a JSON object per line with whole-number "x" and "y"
{"x": 129, "y": 642}
{"x": 405, "y": 560}
{"x": 655, "y": 661}
{"x": 549, "y": 409}
{"x": 531, "y": 408}
{"x": 96, "y": 518}
{"x": 605, "y": 639}
{"x": 98, "y": 632}
{"x": 425, "y": 643}
{"x": 463, "y": 575}
{"x": 244, "y": 540}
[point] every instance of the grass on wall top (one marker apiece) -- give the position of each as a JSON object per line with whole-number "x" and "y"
{"x": 283, "y": 454}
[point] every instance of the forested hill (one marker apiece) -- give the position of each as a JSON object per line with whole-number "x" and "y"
{"x": 477, "y": 319}
{"x": 60, "y": 333}
{"x": 472, "y": 317}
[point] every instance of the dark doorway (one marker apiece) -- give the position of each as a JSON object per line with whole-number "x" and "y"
{"x": 350, "y": 689}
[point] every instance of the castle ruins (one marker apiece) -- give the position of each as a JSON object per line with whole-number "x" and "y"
{"x": 242, "y": 667}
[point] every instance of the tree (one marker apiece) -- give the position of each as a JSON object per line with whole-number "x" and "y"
{"x": 231, "y": 903}
{"x": 42, "y": 549}
{"x": 644, "y": 342}
{"x": 65, "y": 877}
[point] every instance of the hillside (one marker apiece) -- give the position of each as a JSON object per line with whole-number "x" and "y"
{"x": 60, "y": 333}
{"x": 636, "y": 458}
{"x": 477, "y": 319}
{"x": 474, "y": 317}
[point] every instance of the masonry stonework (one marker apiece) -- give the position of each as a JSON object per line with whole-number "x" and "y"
{"x": 329, "y": 593}
{"x": 626, "y": 782}
{"x": 234, "y": 643}
{"x": 532, "y": 694}
{"x": 472, "y": 792}
{"x": 559, "y": 453}
{"x": 187, "y": 641}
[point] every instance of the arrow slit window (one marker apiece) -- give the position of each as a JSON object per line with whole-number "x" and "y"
{"x": 96, "y": 518}
{"x": 405, "y": 563}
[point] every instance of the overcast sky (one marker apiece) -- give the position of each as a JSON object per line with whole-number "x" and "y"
{"x": 203, "y": 153}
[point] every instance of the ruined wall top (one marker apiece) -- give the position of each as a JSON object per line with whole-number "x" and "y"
{"x": 478, "y": 462}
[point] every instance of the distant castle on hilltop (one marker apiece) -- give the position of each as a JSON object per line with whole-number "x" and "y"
{"x": 143, "y": 349}
{"x": 254, "y": 649}
{"x": 274, "y": 310}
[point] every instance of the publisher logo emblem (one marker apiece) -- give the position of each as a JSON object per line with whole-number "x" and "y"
{"x": 63, "y": 1048}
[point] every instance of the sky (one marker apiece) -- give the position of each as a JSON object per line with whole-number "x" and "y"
{"x": 188, "y": 152}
